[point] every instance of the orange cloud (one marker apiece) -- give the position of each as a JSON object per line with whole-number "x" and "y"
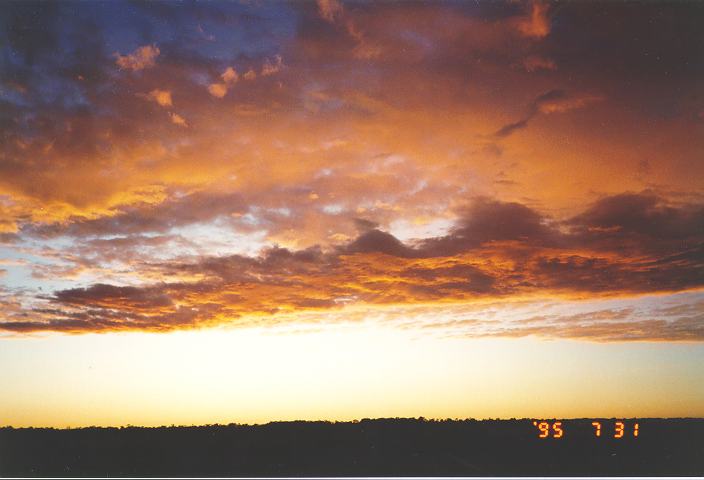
{"x": 162, "y": 97}
{"x": 250, "y": 74}
{"x": 330, "y": 10}
{"x": 143, "y": 57}
{"x": 229, "y": 78}
{"x": 218, "y": 90}
{"x": 178, "y": 119}
{"x": 537, "y": 25}
{"x": 561, "y": 105}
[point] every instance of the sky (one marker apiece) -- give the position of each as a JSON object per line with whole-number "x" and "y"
{"x": 253, "y": 211}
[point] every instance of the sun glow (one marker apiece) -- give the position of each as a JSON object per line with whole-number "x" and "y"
{"x": 345, "y": 372}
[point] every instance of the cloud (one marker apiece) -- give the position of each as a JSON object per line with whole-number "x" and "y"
{"x": 229, "y": 78}
{"x": 330, "y": 10}
{"x": 376, "y": 241}
{"x": 510, "y": 128}
{"x": 218, "y": 90}
{"x": 565, "y": 104}
{"x": 487, "y": 220}
{"x": 498, "y": 250}
{"x": 178, "y": 119}
{"x": 537, "y": 24}
{"x": 380, "y": 118}
{"x": 145, "y": 217}
{"x": 250, "y": 74}
{"x": 132, "y": 298}
{"x": 552, "y": 101}
{"x": 632, "y": 223}
{"x": 272, "y": 67}
{"x": 364, "y": 225}
{"x": 142, "y": 58}
{"x": 606, "y": 325}
{"x": 162, "y": 97}
{"x": 365, "y": 49}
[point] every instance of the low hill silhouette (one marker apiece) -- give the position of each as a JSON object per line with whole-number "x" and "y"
{"x": 379, "y": 447}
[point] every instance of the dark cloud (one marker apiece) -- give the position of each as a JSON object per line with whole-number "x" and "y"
{"x": 552, "y": 101}
{"x": 643, "y": 214}
{"x": 604, "y": 275}
{"x": 533, "y": 110}
{"x": 489, "y": 220}
{"x": 376, "y": 241}
{"x": 510, "y": 128}
{"x": 364, "y": 225}
{"x": 132, "y": 298}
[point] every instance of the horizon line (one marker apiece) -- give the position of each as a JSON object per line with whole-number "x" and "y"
{"x": 354, "y": 421}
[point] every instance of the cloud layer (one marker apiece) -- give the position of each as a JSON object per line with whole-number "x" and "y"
{"x": 630, "y": 244}
{"x": 167, "y": 167}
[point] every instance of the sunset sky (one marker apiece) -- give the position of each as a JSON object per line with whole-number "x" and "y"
{"x": 252, "y": 211}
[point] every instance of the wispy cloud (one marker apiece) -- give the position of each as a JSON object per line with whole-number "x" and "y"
{"x": 553, "y": 101}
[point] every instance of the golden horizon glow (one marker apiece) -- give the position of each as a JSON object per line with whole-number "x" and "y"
{"x": 342, "y": 373}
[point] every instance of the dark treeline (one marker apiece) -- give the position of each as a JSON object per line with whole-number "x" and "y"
{"x": 383, "y": 447}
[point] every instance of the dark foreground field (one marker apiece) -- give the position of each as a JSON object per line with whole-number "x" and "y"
{"x": 386, "y": 447}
